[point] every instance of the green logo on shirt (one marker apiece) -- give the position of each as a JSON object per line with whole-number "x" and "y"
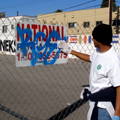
{"x": 99, "y": 67}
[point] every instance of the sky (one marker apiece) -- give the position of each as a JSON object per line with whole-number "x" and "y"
{"x": 37, "y": 7}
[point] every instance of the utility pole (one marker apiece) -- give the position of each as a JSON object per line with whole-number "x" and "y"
{"x": 17, "y": 13}
{"x": 110, "y": 12}
{"x": 117, "y": 21}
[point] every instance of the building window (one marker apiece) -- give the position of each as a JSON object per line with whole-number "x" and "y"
{"x": 86, "y": 24}
{"x": 98, "y": 22}
{"x": 4, "y": 29}
{"x": 12, "y": 27}
{"x": 44, "y": 21}
{"x": 72, "y": 25}
{"x": 116, "y": 23}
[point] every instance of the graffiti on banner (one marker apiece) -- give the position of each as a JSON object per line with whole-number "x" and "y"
{"x": 37, "y": 44}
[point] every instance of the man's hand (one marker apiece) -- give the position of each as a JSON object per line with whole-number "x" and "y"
{"x": 116, "y": 118}
{"x": 85, "y": 94}
{"x": 64, "y": 46}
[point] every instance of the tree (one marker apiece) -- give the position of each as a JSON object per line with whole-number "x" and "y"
{"x": 105, "y": 3}
{"x": 2, "y": 14}
{"x": 58, "y": 10}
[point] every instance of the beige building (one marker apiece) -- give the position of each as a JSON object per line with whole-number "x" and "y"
{"x": 78, "y": 22}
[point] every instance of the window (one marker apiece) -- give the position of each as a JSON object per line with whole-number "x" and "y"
{"x": 44, "y": 22}
{"x": 72, "y": 25}
{"x": 12, "y": 27}
{"x": 4, "y": 29}
{"x": 116, "y": 23}
{"x": 86, "y": 24}
{"x": 98, "y": 22}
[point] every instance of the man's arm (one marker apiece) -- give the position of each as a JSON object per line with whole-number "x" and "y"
{"x": 82, "y": 56}
{"x": 117, "y": 106}
{"x": 66, "y": 49}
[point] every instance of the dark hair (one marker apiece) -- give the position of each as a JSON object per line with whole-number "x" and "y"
{"x": 103, "y": 34}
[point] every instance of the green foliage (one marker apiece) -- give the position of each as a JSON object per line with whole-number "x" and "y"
{"x": 58, "y": 10}
{"x": 2, "y": 14}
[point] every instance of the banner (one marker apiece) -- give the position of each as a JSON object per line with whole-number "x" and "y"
{"x": 73, "y": 38}
{"x": 37, "y": 44}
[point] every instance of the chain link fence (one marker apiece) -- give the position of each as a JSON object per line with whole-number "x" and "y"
{"x": 38, "y": 92}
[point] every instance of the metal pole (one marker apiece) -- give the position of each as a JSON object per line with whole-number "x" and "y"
{"x": 17, "y": 13}
{"x": 110, "y": 12}
{"x": 117, "y": 21}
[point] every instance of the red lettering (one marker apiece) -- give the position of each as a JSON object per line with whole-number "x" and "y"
{"x": 18, "y": 56}
{"x": 29, "y": 56}
{"x": 34, "y": 27}
{"x": 18, "y": 37}
{"x": 62, "y": 32}
{"x": 23, "y": 26}
{"x": 58, "y": 29}
{"x": 39, "y": 29}
{"x": 51, "y": 28}
{"x": 22, "y": 29}
{"x": 28, "y": 26}
{"x": 45, "y": 30}
{"x": 53, "y": 54}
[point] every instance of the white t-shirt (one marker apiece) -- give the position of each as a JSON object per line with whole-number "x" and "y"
{"x": 105, "y": 72}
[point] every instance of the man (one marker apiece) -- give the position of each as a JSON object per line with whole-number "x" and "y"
{"x": 104, "y": 73}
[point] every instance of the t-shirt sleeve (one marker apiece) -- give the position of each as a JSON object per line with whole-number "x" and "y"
{"x": 115, "y": 73}
{"x": 92, "y": 56}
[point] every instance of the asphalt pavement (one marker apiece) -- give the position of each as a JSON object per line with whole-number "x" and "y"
{"x": 41, "y": 91}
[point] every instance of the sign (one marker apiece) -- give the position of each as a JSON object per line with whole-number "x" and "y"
{"x": 37, "y": 44}
{"x": 7, "y": 47}
{"x": 73, "y": 38}
{"x": 84, "y": 43}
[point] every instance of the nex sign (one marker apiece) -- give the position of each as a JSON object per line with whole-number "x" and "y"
{"x": 7, "y": 46}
